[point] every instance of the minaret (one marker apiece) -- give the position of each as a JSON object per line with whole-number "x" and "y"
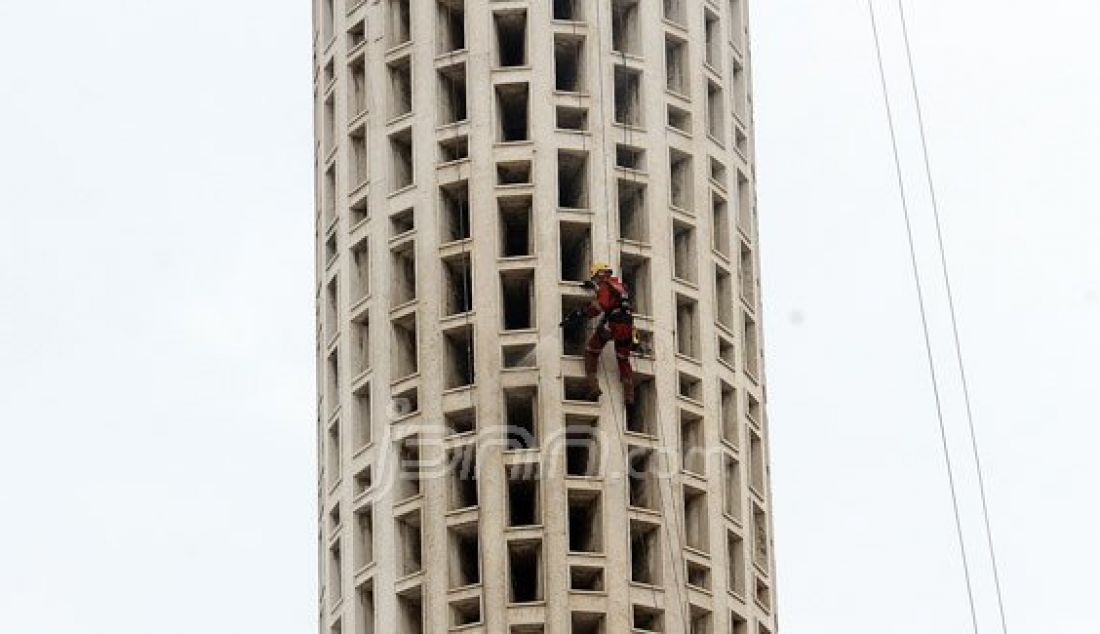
{"x": 473, "y": 159}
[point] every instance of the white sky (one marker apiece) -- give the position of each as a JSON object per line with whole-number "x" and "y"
{"x": 156, "y": 318}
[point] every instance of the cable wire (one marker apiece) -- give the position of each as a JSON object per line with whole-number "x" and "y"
{"x": 923, "y": 316}
{"x": 954, "y": 320}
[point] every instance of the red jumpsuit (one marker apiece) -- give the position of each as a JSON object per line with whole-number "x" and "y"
{"x": 617, "y": 324}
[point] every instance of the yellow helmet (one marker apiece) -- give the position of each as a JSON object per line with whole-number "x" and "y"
{"x": 597, "y": 267}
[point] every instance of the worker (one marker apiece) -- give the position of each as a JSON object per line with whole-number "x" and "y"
{"x": 616, "y": 323}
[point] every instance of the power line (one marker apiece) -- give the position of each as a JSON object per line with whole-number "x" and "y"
{"x": 923, "y": 315}
{"x": 954, "y": 319}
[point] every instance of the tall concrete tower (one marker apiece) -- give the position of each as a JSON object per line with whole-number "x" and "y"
{"x": 473, "y": 158}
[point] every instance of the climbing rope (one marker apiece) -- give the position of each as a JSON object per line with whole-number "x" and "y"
{"x": 924, "y": 317}
{"x": 954, "y": 319}
{"x": 620, "y": 422}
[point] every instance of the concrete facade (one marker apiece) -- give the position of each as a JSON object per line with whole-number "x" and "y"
{"x": 473, "y": 157}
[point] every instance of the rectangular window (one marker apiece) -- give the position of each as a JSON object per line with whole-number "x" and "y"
{"x": 695, "y": 518}
{"x": 575, "y": 334}
{"x": 641, "y": 418}
{"x": 728, "y": 413}
{"x": 363, "y": 417}
{"x": 409, "y": 559}
{"x": 646, "y": 619}
{"x": 698, "y": 575}
{"x": 464, "y": 565}
{"x": 466, "y": 612}
{"x": 400, "y": 21}
{"x": 716, "y": 112}
{"x": 684, "y": 257}
{"x": 628, "y": 96}
{"x": 523, "y": 495}
{"x": 401, "y": 86}
{"x": 366, "y": 609}
{"x": 570, "y": 118}
{"x": 760, "y": 545}
{"x": 748, "y": 276}
{"x": 518, "y": 294}
{"x": 642, "y": 475}
{"x": 676, "y": 11}
{"x": 335, "y": 574}
{"x": 358, "y": 169}
{"x": 462, "y": 462}
{"x": 460, "y": 422}
{"x": 333, "y": 452}
{"x": 402, "y": 222}
{"x": 630, "y": 157}
{"x": 572, "y": 180}
{"x": 732, "y": 486}
{"x": 459, "y": 347}
{"x": 645, "y": 553}
{"x": 744, "y": 204}
{"x": 521, "y": 418}
{"x": 516, "y": 237}
{"x": 739, "y": 83}
{"x": 328, "y": 20}
{"x": 585, "y": 523}
{"x": 364, "y": 537}
{"x": 700, "y": 621}
{"x": 454, "y": 148}
{"x": 360, "y": 345}
{"x": 586, "y": 579}
{"x": 568, "y": 10}
{"x": 679, "y": 119}
{"x": 403, "y": 269}
{"x": 625, "y": 27}
{"x": 328, "y": 196}
{"x": 636, "y": 276}
{"x": 408, "y": 463}
{"x": 687, "y": 327}
{"x": 737, "y": 22}
{"x": 582, "y": 447}
{"x": 712, "y": 29}
{"x": 513, "y": 173}
{"x": 693, "y": 452}
{"x": 359, "y": 210}
{"x": 723, "y": 296}
{"x": 569, "y": 73}
{"x": 454, "y": 202}
{"x": 512, "y": 112}
{"x": 525, "y": 572}
{"x": 357, "y": 34}
{"x": 720, "y": 216}
{"x": 735, "y": 547}
{"x": 511, "y": 32}
{"x": 452, "y": 94}
{"x": 410, "y": 612}
{"x": 750, "y": 347}
{"x": 451, "y": 26}
{"x": 633, "y": 216}
{"x": 676, "y": 77}
{"x": 458, "y": 285}
{"x": 404, "y": 348}
{"x": 681, "y": 179}
{"x": 332, "y": 310}
{"x": 522, "y": 355}
{"x": 401, "y": 153}
{"x": 756, "y": 463}
{"x": 357, "y": 95}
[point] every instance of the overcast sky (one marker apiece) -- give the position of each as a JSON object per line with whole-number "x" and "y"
{"x": 156, "y": 318}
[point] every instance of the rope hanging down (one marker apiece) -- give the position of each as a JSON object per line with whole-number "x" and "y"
{"x": 954, "y": 320}
{"x": 923, "y": 315}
